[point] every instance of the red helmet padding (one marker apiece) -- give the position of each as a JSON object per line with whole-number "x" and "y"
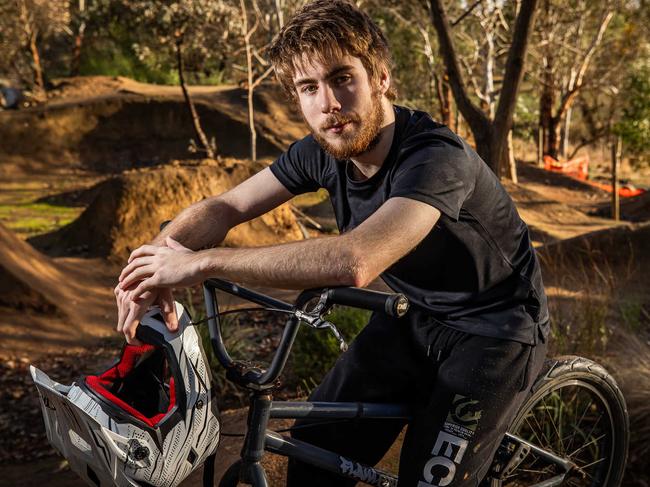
{"x": 130, "y": 356}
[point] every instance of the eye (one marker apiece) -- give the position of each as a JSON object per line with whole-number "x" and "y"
{"x": 309, "y": 89}
{"x": 341, "y": 80}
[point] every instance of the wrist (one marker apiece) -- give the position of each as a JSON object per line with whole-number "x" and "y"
{"x": 206, "y": 264}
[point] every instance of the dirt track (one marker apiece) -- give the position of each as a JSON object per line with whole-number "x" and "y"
{"x": 67, "y": 302}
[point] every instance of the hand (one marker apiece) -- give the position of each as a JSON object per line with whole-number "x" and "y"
{"x": 152, "y": 267}
{"x": 130, "y": 312}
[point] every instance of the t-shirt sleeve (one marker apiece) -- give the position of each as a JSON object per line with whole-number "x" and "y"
{"x": 437, "y": 173}
{"x": 300, "y": 169}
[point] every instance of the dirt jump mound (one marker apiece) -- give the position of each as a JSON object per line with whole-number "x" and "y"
{"x": 634, "y": 209}
{"x": 128, "y": 210}
{"x": 107, "y": 125}
{"x": 28, "y": 279}
{"x": 49, "y": 305}
{"x": 622, "y": 248}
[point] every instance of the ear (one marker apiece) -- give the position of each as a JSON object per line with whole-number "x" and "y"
{"x": 384, "y": 80}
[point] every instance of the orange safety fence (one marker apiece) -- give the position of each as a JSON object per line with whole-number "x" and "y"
{"x": 623, "y": 191}
{"x": 579, "y": 168}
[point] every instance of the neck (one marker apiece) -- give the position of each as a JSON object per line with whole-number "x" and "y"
{"x": 368, "y": 163}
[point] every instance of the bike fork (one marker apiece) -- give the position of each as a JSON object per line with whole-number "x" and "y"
{"x": 252, "y": 471}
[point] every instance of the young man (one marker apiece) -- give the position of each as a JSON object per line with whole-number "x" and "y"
{"x": 414, "y": 204}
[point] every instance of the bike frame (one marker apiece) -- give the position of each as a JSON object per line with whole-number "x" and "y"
{"x": 262, "y": 408}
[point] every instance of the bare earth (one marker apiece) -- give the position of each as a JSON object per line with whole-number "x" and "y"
{"x": 59, "y": 313}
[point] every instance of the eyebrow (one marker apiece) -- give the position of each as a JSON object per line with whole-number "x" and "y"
{"x": 334, "y": 72}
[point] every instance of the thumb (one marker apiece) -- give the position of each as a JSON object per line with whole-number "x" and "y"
{"x": 173, "y": 244}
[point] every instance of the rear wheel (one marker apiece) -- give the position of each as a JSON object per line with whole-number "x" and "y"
{"x": 576, "y": 411}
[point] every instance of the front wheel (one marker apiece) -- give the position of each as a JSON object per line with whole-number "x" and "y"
{"x": 576, "y": 411}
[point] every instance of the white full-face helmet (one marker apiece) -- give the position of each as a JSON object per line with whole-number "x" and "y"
{"x": 149, "y": 420}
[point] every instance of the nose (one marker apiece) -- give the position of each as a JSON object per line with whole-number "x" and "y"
{"x": 328, "y": 101}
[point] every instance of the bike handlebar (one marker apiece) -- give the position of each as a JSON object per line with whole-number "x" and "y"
{"x": 392, "y": 304}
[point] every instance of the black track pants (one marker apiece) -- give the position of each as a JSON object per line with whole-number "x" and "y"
{"x": 465, "y": 390}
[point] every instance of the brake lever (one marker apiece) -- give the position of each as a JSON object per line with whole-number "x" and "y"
{"x": 319, "y": 323}
{"x": 335, "y": 331}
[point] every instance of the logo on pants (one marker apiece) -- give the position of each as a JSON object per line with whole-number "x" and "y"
{"x": 451, "y": 443}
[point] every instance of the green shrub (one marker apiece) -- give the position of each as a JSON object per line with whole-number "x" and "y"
{"x": 254, "y": 337}
{"x": 315, "y": 351}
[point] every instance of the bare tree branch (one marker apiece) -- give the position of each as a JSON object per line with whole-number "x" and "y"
{"x": 466, "y": 13}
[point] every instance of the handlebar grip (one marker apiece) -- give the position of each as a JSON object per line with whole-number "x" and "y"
{"x": 393, "y": 304}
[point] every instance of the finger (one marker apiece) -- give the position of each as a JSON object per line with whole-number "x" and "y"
{"x": 118, "y": 301}
{"x": 137, "y": 275}
{"x": 139, "y": 262}
{"x": 146, "y": 285}
{"x": 175, "y": 245}
{"x": 136, "y": 311}
{"x": 122, "y": 309}
{"x": 132, "y": 320}
{"x": 130, "y": 325}
{"x": 143, "y": 251}
{"x": 166, "y": 303}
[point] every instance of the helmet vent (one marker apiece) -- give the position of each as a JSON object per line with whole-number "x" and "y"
{"x": 191, "y": 457}
{"x": 79, "y": 442}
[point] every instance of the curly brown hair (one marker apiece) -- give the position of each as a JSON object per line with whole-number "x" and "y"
{"x": 325, "y": 30}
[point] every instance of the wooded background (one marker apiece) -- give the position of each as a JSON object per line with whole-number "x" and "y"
{"x": 560, "y": 74}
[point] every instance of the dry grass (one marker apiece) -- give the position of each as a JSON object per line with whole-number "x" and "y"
{"x": 599, "y": 300}
{"x": 631, "y": 367}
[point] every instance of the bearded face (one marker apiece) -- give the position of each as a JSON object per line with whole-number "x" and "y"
{"x": 345, "y": 136}
{"x": 341, "y": 105}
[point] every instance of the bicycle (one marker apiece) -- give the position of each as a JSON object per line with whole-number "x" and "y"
{"x": 573, "y": 428}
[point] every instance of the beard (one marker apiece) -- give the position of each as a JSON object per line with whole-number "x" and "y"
{"x": 353, "y": 144}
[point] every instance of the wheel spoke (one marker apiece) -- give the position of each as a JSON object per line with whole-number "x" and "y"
{"x": 535, "y": 432}
{"x": 572, "y": 411}
{"x": 598, "y": 438}
{"x": 576, "y": 424}
{"x": 552, "y": 420}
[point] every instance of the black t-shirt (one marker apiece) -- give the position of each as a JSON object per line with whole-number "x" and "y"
{"x": 476, "y": 270}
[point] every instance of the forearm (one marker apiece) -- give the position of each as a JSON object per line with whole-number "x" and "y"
{"x": 201, "y": 225}
{"x": 327, "y": 261}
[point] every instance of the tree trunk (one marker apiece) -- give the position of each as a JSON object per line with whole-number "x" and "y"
{"x": 251, "y": 121}
{"x": 512, "y": 78}
{"x": 36, "y": 60}
{"x": 449, "y": 102}
{"x": 616, "y": 157}
{"x": 553, "y": 138}
{"x": 566, "y": 133}
{"x": 445, "y": 100}
{"x": 76, "y": 52}
{"x": 546, "y": 102}
{"x": 31, "y": 33}
{"x": 512, "y": 162}
{"x": 251, "y": 86}
{"x": 490, "y": 135}
{"x": 78, "y": 41}
{"x": 196, "y": 122}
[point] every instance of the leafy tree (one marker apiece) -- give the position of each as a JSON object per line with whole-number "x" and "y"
{"x": 568, "y": 40}
{"x": 189, "y": 31}
{"x": 25, "y": 27}
{"x": 634, "y": 126}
